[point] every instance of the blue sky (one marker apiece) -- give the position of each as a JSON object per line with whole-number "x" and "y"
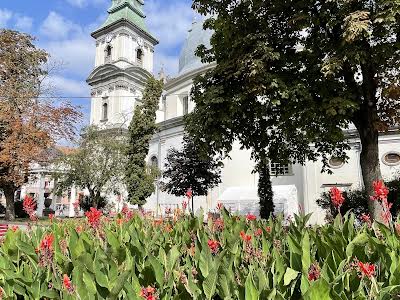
{"x": 63, "y": 27}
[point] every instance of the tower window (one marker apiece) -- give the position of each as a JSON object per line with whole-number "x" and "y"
{"x": 277, "y": 169}
{"x": 108, "y": 53}
{"x": 105, "y": 112}
{"x": 154, "y": 162}
{"x": 185, "y": 104}
{"x": 139, "y": 55}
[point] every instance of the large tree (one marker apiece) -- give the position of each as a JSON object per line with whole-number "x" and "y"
{"x": 290, "y": 75}
{"x": 97, "y": 164}
{"x": 29, "y": 125}
{"x": 139, "y": 176}
{"x": 187, "y": 169}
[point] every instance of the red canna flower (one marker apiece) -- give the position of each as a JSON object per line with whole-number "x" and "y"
{"x": 258, "y": 232}
{"x": 93, "y": 217}
{"x": 51, "y": 217}
{"x": 184, "y": 205}
{"x": 148, "y": 293}
{"x": 127, "y": 213}
{"x": 246, "y": 238}
{"x": 189, "y": 193}
{"x": 45, "y": 250}
{"x": 67, "y": 284}
{"x": 120, "y": 222}
{"x": 214, "y": 246}
{"x": 220, "y": 206}
{"x": 380, "y": 191}
{"x": 158, "y": 222}
{"x": 219, "y": 224}
{"x": 168, "y": 228}
{"x": 314, "y": 272}
{"x": 29, "y": 206}
{"x": 366, "y": 218}
{"x": 366, "y": 269}
{"x": 47, "y": 242}
{"x": 79, "y": 229}
{"x": 268, "y": 229}
{"x": 251, "y": 217}
{"x": 386, "y": 214}
{"x": 14, "y": 228}
{"x": 336, "y": 197}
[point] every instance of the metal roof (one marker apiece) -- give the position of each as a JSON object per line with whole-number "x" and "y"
{"x": 188, "y": 61}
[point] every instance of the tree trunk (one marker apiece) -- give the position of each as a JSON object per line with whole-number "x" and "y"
{"x": 9, "y": 193}
{"x": 265, "y": 192}
{"x": 94, "y": 198}
{"x": 370, "y": 166}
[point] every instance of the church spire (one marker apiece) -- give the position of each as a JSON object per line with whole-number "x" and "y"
{"x": 128, "y": 10}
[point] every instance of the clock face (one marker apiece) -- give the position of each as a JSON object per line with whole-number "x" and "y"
{"x": 109, "y": 38}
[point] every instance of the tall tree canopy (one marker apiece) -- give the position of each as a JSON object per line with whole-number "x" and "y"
{"x": 139, "y": 177}
{"x": 187, "y": 169}
{"x": 28, "y": 124}
{"x": 98, "y": 165}
{"x": 290, "y": 75}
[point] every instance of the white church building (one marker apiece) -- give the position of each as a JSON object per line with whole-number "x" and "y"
{"x": 124, "y": 60}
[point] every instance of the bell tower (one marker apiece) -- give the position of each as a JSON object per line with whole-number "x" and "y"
{"x": 123, "y": 63}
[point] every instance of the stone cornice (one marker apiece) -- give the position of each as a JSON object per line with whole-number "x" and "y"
{"x": 173, "y": 83}
{"x": 124, "y": 22}
{"x": 109, "y": 71}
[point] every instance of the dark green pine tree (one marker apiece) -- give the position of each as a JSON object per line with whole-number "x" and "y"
{"x": 189, "y": 169}
{"x": 265, "y": 192}
{"x": 139, "y": 177}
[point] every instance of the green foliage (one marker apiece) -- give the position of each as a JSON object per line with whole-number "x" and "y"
{"x": 86, "y": 203}
{"x": 265, "y": 192}
{"x": 115, "y": 261}
{"x": 290, "y": 75}
{"x": 356, "y": 201}
{"x": 188, "y": 169}
{"x": 97, "y": 165}
{"x": 139, "y": 177}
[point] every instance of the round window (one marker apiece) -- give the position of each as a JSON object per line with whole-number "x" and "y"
{"x": 391, "y": 159}
{"x": 336, "y": 162}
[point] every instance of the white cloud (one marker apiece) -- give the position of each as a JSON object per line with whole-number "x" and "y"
{"x": 169, "y": 21}
{"x": 5, "y": 16}
{"x": 169, "y": 63}
{"x": 76, "y": 54}
{"x": 56, "y": 27}
{"x": 23, "y": 23}
{"x": 70, "y": 44}
{"x": 69, "y": 87}
{"x": 85, "y": 3}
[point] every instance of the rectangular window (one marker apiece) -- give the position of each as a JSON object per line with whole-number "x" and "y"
{"x": 277, "y": 169}
{"x": 185, "y": 103}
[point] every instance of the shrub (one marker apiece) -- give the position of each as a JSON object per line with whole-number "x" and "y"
{"x": 356, "y": 201}
{"x": 19, "y": 210}
{"x": 135, "y": 257}
{"x": 86, "y": 203}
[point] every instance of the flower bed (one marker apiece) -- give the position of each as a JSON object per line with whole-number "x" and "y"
{"x": 131, "y": 256}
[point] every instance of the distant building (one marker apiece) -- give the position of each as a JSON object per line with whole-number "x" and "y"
{"x": 124, "y": 60}
{"x": 41, "y": 184}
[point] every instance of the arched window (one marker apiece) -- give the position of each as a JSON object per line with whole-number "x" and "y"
{"x": 336, "y": 162}
{"x": 154, "y": 161}
{"x": 108, "y": 53}
{"x": 139, "y": 55}
{"x": 105, "y": 112}
{"x": 391, "y": 159}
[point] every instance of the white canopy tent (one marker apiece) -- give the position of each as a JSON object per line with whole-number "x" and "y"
{"x": 244, "y": 200}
